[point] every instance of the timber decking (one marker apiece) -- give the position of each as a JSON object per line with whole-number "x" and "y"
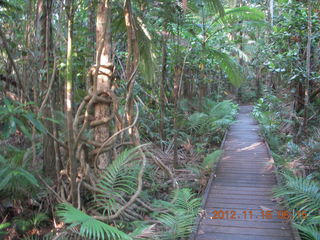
{"x": 243, "y": 182}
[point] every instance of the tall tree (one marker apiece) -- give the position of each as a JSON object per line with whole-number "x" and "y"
{"x": 44, "y": 25}
{"x": 131, "y": 66}
{"x": 68, "y": 101}
{"x": 102, "y": 85}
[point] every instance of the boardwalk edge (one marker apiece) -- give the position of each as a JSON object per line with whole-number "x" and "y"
{"x": 294, "y": 231}
{"x": 207, "y": 190}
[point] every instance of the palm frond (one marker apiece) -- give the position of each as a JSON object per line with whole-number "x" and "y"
{"x": 211, "y": 159}
{"x": 117, "y": 182}
{"x": 17, "y": 182}
{"x": 215, "y": 6}
{"x": 244, "y": 13}
{"x": 302, "y": 194}
{"x": 309, "y": 232}
{"x": 179, "y": 220}
{"x": 88, "y": 226}
{"x": 229, "y": 66}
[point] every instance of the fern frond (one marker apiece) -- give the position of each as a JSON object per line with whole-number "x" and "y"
{"x": 88, "y": 226}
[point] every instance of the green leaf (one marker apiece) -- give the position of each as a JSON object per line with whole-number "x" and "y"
{"x": 89, "y": 227}
{"x": 211, "y": 159}
{"x": 36, "y": 123}
{"x": 23, "y": 128}
{"x": 230, "y": 67}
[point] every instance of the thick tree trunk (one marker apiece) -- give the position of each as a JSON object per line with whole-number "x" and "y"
{"x": 104, "y": 74}
{"x": 44, "y": 13}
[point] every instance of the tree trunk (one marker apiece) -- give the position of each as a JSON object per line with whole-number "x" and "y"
{"x": 68, "y": 100}
{"x": 44, "y": 13}
{"x": 308, "y": 64}
{"x": 104, "y": 74}
{"x": 271, "y": 11}
{"x": 162, "y": 86}
{"x": 131, "y": 68}
{"x": 177, "y": 75}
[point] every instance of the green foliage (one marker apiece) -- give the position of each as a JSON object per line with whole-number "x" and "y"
{"x": 16, "y": 181}
{"x": 243, "y": 13}
{"x": 210, "y": 160}
{"x": 3, "y": 226}
{"x": 14, "y": 116}
{"x": 215, "y": 118}
{"x": 23, "y": 224}
{"x": 229, "y": 66}
{"x": 309, "y": 232}
{"x": 268, "y": 113}
{"x": 179, "y": 220}
{"x": 116, "y": 182}
{"x": 89, "y": 227}
{"x": 303, "y": 194}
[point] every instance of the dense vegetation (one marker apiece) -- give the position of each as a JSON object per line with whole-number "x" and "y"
{"x": 112, "y": 112}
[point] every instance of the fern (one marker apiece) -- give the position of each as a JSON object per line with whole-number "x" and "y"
{"x": 89, "y": 227}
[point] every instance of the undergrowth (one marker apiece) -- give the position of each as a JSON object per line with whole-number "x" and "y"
{"x": 297, "y": 160}
{"x": 166, "y": 207}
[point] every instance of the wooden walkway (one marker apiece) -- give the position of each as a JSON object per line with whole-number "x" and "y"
{"x": 240, "y": 198}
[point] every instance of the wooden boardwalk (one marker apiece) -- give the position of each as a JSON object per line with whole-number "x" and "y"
{"x": 240, "y": 198}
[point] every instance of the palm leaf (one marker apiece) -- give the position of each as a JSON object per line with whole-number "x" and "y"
{"x": 88, "y": 226}
{"x": 179, "y": 220}
{"x": 211, "y": 159}
{"x": 117, "y": 182}
{"x": 244, "y": 13}
{"x": 301, "y": 193}
{"x": 215, "y": 5}
{"x": 229, "y": 66}
{"x": 309, "y": 232}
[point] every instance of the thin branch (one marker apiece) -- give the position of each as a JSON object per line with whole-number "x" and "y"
{"x": 50, "y": 85}
{"x": 5, "y": 44}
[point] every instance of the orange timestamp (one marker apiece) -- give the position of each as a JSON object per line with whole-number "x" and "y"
{"x": 254, "y": 214}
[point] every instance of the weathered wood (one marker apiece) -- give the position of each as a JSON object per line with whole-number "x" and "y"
{"x": 242, "y": 185}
